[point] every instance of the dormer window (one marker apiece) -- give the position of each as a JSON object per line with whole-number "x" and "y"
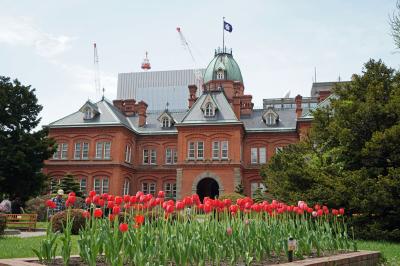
{"x": 166, "y": 122}
{"x": 270, "y": 117}
{"x": 209, "y": 110}
{"x": 89, "y": 110}
{"x": 88, "y": 114}
{"x": 220, "y": 74}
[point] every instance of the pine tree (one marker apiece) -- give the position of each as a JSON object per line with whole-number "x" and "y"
{"x": 69, "y": 184}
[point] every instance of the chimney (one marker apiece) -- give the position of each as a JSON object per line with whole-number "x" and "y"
{"x": 192, "y": 95}
{"x": 322, "y": 95}
{"x": 129, "y": 107}
{"x": 299, "y": 110}
{"x": 236, "y": 106}
{"x": 141, "y": 108}
{"x": 119, "y": 104}
{"x": 246, "y": 107}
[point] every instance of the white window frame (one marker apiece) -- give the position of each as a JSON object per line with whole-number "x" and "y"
{"x": 168, "y": 156}
{"x": 254, "y": 155}
{"x": 85, "y": 150}
{"x": 262, "y": 155}
{"x": 166, "y": 122}
{"x": 57, "y": 154}
{"x": 149, "y": 187}
{"x": 170, "y": 190}
{"x": 153, "y": 156}
{"x": 220, "y": 74}
{"x": 83, "y": 188}
{"x": 200, "y": 149}
{"x": 128, "y": 153}
{"x": 209, "y": 109}
{"x": 146, "y": 156}
{"x": 64, "y": 151}
{"x": 78, "y": 151}
{"x": 224, "y": 149}
{"x": 88, "y": 114}
{"x": 215, "y": 150}
{"x": 99, "y": 150}
{"x": 191, "y": 150}
{"x": 270, "y": 119}
{"x": 107, "y": 150}
{"x": 126, "y": 187}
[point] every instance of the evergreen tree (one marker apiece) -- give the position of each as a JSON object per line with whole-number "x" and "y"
{"x": 352, "y": 156}
{"x": 22, "y": 151}
{"x": 69, "y": 184}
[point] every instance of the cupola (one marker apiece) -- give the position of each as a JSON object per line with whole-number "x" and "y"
{"x": 222, "y": 67}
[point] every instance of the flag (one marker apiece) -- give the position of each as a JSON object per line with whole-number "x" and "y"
{"x": 227, "y": 26}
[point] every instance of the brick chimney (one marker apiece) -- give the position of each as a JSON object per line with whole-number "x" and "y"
{"x": 142, "y": 107}
{"x": 246, "y": 105}
{"x": 129, "y": 107}
{"x": 236, "y": 106}
{"x": 119, "y": 104}
{"x": 322, "y": 95}
{"x": 299, "y": 110}
{"x": 192, "y": 95}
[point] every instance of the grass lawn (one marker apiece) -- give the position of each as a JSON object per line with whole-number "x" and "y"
{"x": 15, "y": 247}
{"x": 391, "y": 251}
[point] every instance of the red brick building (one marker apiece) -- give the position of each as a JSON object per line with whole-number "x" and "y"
{"x": 217, "y": 143}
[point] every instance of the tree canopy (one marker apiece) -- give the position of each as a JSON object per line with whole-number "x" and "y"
{"x": 22, "y": 150}
{"x": 352, "y": 155}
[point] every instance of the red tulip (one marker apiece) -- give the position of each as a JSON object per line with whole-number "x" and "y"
{"x": 127, "y": 198}
{"x": 86, "y": 214}
{"x": 116, "y": 210}
{"x": 49, "y": 203}
{"x": 161, "y": 194}
{"x": 314, "y": 214}
{"x": 169, "y": 209}
{"x": 104, "y": 196}
{"x": 98, "y": 213}
{"x": 123, "y": 227}
{"x": 71, "y": 198}
{"x": 335, "y": 212}
{"x": 101, "y": 202}
{"x": 179, "y": 205}
{"x": 133, "y": 200}
{"x": 88, "y": 201}
{"x": 227, "y": 202}
{"x": 233, "y": 208}
{"x": 139, "y": 219}
{"x": 320, "y": 212}
{"x": 110, "y": 204}
{"x": 111, "y": 217}
{"x": 118, "y": 200}
{"x": 71, "y": 194}
{"x": 68, "y": 203}
{"x": 96, "y": 199}
{"x": 110, "y": 198}
{"x": 341, "y": 211}
{"x": 92, "y": 193}
{"x": 207, "y": 208}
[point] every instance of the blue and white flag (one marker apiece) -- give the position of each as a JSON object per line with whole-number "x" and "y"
{"x": 227, "y": 26}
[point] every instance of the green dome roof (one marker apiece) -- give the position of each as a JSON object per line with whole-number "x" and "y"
{"x": 225, "y": 62}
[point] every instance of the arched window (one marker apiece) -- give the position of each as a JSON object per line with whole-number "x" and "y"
{"x": 88, "y": 113}
{"x": 149, "y": 187}
{"x": 101, "y": 184}
{"x": 220, "y": 74}
{"x": 170, "y": 190}
{"x": 166, "y": 122}
{"x": 209, "y": 111}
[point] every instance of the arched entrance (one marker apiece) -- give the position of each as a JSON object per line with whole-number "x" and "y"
{"x": 207, "y": 187}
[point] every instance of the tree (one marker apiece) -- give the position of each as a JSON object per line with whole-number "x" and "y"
{"x": 22, "y": 151}
{"x": 352, "y": 156}
{"x": 394, "y": 21}
{"x": 69, "y": 184}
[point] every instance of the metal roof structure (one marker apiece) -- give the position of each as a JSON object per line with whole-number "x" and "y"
{"x": 157, "y": 88}
{"x": 223, "y": 61}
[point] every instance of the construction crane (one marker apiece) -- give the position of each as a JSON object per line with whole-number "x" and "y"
{"x": 97, "y": 84}
{"x": 146, "y": 63}
{"x": 197, "y": 73}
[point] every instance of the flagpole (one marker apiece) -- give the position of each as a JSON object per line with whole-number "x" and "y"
{"x": 223, "y": 34}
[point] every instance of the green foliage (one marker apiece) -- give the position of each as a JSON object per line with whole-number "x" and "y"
{"x": 239, "y": 189}
{"x": 395, "y": 25}
{"x": 46, "y": 252}
{"x": 232, "y": 196}
{"x": 59, "y": 220}
{"x": 69, "y": 184}
{"x": 352, "y": 156}
{"x": 22, "y": 151}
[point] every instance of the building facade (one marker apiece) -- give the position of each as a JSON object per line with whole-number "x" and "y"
{"x": 218, "y": 142}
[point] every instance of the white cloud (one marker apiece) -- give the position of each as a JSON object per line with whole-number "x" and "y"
{"x": 23, "y": 31}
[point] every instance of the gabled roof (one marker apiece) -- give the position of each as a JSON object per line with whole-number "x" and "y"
{"x": 224, "y": 114}
{"x": 326, "y": 102}
{"x": 91, "y": 105}
{"x": 166, "y": 113}
{"x": 270, "y": 111}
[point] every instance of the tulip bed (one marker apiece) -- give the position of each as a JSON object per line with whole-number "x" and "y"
{"x": 147, "y": 230}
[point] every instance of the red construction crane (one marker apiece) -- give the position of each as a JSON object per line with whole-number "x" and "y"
{"x": 97, "y": 84}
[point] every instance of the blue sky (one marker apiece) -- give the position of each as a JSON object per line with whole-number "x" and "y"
{"x": 277, "y": 44}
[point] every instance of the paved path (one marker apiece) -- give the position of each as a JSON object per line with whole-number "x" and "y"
{"x": 23, "y": 234}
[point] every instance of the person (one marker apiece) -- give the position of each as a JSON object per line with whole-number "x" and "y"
{"x": 16, "y": 205}
{"x": 60, "y": 203}
{"x": 5, "y": 205}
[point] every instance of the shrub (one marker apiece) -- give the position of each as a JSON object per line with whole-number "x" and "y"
{"x": 2, "y": 224}
{"x": 232, "y": 196}
{"x": 38, "y": 205}
{"x": 60, "y": 218}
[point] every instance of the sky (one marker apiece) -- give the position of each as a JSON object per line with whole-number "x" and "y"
{"x": 277, "y": 44}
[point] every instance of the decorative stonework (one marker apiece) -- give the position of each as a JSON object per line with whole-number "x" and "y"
{"x": 237, "y": 177}
{"x": 203, "y": 175}
{"x": 179, "y": 173}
